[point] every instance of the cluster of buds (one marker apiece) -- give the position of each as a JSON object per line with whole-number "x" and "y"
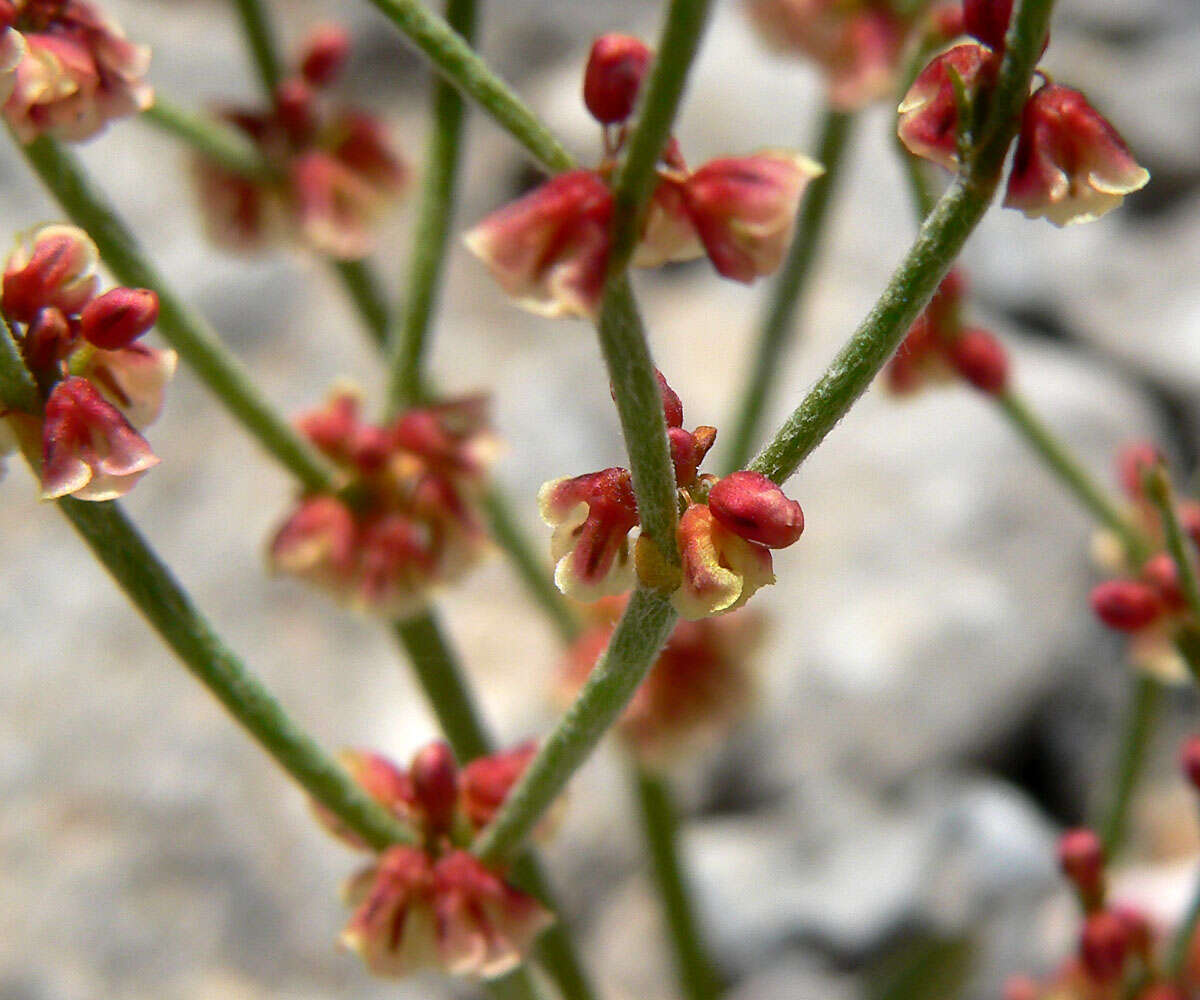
{"x": 99, "y": 384}
{"x": 698, "y": 689}
{"x": 939, "y": 348}
{"x": 1146, "y": 601}
{"x": 856, "y": 44}
{"x": 726, "y": 530}
{"x": 432, "y": 904}
{"x": 67, "y": 69}
{"x": 1070, "y": 164}
{"x": 406, "y": 520}
{"x": 549, "y": 249}
{"x": 331, "y": 171}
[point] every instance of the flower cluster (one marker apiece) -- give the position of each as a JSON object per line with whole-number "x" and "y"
{"x": 67, "y": 69}
{"x": 939, "y": 348}
{"x": 433, "y": 904}
{"x": 549, "y": 249}
{"x": 99, "y": 384}
{"x": 331, "y": 170}
{"x": 1146, "y": 601}
{"x": 725, "y": 533}
{"x": 1070, "y": 165}
{"x": 407, "y": 519}
{"x": 857, "y": 44}
{"x": 698, "y": 689}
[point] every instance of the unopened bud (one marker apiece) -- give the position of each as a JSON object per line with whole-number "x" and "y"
{"x": 1103, "y": 946}
{"x": 294, "y": 104}
{"x": 324, "y": 55}
{"x": 434, "y": 776}
{"x": 1161, "y": 573}
{"x": 672, "y": 405}
{"x": 1132, "y": 462}
{"x": 1081, "y": 859}
{"x": 614, "y": 74}
{"x": 47, "y": 340}
{"x": 118, "y": 317}
{"x": 1126, "y": 605}
{"x": 751, "y": 505}
{"x": 980, "y": 359}
{"x": 1189, "y": 760}
{"x": 1138, "y": 931}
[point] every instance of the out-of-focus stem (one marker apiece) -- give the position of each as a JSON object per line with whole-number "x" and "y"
{"x": 256, "y": 25}
{"x": 1145, "y": 696}
{"x": 214, "y": 139}
{"x": 790, "y": 286}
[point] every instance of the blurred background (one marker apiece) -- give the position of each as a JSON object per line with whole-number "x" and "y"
{"x": 936, "y": 699}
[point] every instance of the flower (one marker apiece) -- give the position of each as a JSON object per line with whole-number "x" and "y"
{"x": 928, "y": 124}
{"x": 721, "y": 570}
{"x": 52, "y": 267}
{"x": 134, "y": 379}
{"x": 615, "y": 68}
{"x": 1070, "y": 166}
{"x": 78, "y": 71}
{"x": 751, "y": 505}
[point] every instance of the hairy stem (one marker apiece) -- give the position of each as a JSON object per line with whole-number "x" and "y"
{"x": 432, "y": 233}
{"x": 455, "y": 61}
{"x": 789, "y": 288}
{"x": 938, "y": 243}
{"x": 660, "y": 826}
{"x": 179, "y": 325}
{"x": 637, "y": 640}
{"x": 1141, "y": 711}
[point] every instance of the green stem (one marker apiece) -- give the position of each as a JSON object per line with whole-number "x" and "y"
{"x": 433, "y": 225}
{"x": 1131, "y": 757}
{"x": 1181, "y": 943}
{"x": 938, "y": 243}
{"x": 531, "y": 568}
{"x": 179, "y": 325}
{"x": 639, "y": 636}
{"x": 1158, "y": 488}
{"x": 519, "y": 984}
{"x": 256, "y": 25}
{"x": 790, "y": 287}
{"x": 440, "y": 676}
{"x": 660, "y": 825}
{"x": 219, "y": 142}
{"x": 1071, "y": 473}
{"x": 920, "y": 188}
{"x": 18, "y": 388}
{"x": 456, "y": 62}
{"x": 365, "y": 292}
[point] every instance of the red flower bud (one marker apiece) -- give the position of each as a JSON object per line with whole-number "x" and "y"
{"x": 672, "y": 405}
{"x": 988, "y": 20}
{"x": 929, "y": 112}
{"x": 324, "y": 54}
{"x": 1161, "y": 573}
{"x": 980, "y": 359}
{"x": 1081, "y": 858}
{"x": 57, "y": 269}
{"x": 1103, "y": 946}
{"x": 1138, "y": 931}
{"x": 118, "y": 317}
{"x": 1126, "y": 605}
{"x": 614, "y": 74}
{"x": 1133, "y": 460}
{"x": 48, "y": 339}
{"x": 1189, "y": 760}
{"x": 294, "y": 106}
{"x": 486, "y": 782}
{"x": 434, "y": 776}
{"x": 750, "y": 505}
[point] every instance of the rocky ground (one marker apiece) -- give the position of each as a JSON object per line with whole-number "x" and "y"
{"x": 936, "y": 702}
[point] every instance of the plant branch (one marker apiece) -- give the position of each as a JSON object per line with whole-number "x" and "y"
{"x": 448, "y": 114}
{"x": 1181, "y": 943}
{"x": 256, "y": 25}
{"x": 363, "y": 288}
{"x": 179, "y": 325}
{"x": 637, "y": 640}
{"x": 214, "y": 139}
{"x": 1157, "y": 485}
{"x": 1141, "y": 711}
{"x": 660, "y": 825}
{"x": 454, "y": 59}
{"x": 789, "y": 288}
{"x": 938, "y": 243}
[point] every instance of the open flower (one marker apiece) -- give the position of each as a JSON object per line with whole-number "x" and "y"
{"x": 721, "y": 570}
{"x": 78, "y": 71}
{"x": 54, "y": 267}
{"x": 1070, "y": 166}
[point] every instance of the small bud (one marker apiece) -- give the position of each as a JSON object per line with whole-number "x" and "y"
{"x": 324, "y": 54}
{"x": 672, "y": 405}
{"x": 1126, "y": 605}
{"x": 48, "y": 340}
{"x": 614, "y": 74}
{"x": 118, "y": 317}
{"x": 1070, "y": 165}
{"x": 1104, "y": 946}
{"x": 486, "y": 782}
{"x": 1189, "y": 760}
{"x": 980, "y": 359}
{"x": 294, "y": 106}
{"x": 751, "y": 505}
{"x": 929, "y": 123}
{"x": 1161, "y": 573}
{"x": 434, "y": 776}
{"x": 1133, "y": 460}
{"x": 1081, "y": 859}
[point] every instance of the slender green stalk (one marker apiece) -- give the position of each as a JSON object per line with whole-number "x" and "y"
{"x": 457, "y": 63}
{"x": 1182, "y": 941}
{"x": 363, "y": 288}
{"x": 789, "y": 288}
{"x": 1071, "y": 473}
{"x": 531, "y": 568}
{"x": 1144, "y": 701}
{"x": 179, "y": 325}
{"x": 639, "y": 636}
{"x": 1158, "y": 488}
{"x": 433, "y": 224}
{"x": 214, "y": 139}
{"x": 18, "y": 389}
{"x": 519, "y": 984}
{"x": 440, "y": 676}
{"x": 660, "y": 825}
{"x": 919, "y": 186}
{"x": 938, "y": 243}
{"x": 256, "y": 25}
